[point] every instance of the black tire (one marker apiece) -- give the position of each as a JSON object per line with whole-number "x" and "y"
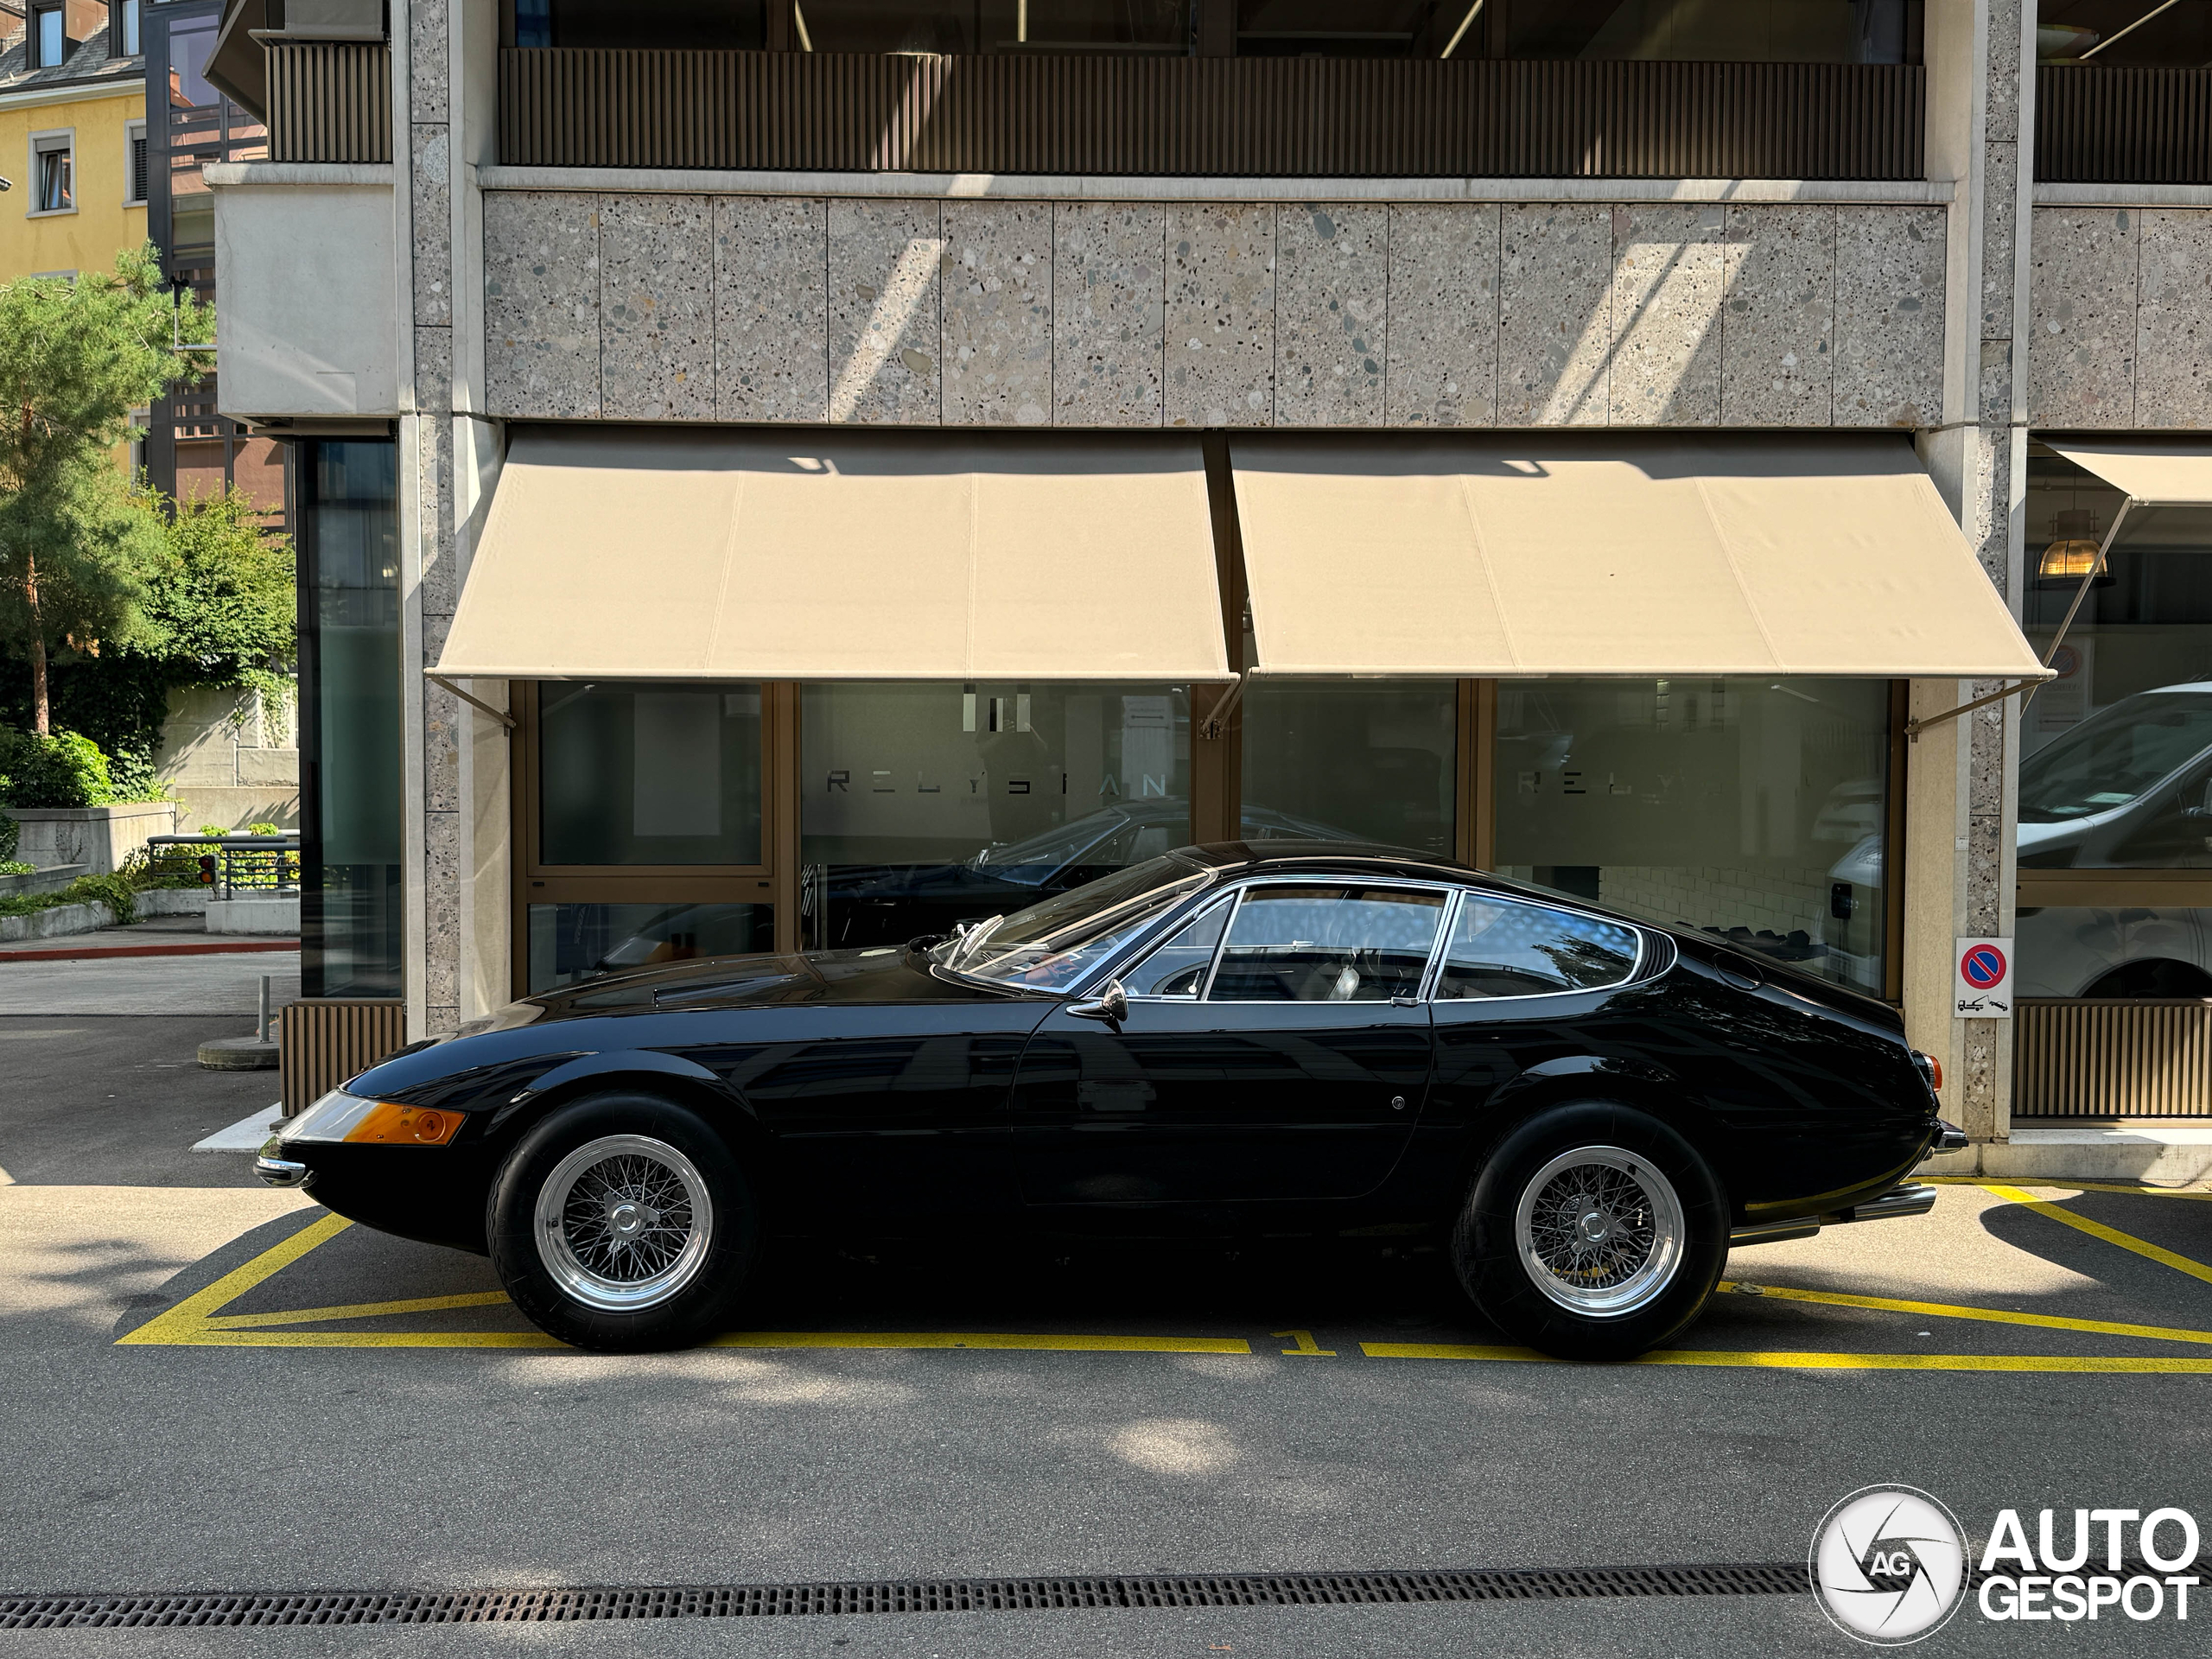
{"x": 593, "y": 1283}
{"x": 1660, "y": 1187}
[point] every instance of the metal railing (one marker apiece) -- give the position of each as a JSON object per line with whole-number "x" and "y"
{"x": 2123, "y": 125}
{"x": 227, "y": 863}
{"x": 329, "y": 102}
{"x": 1251, "y": 118}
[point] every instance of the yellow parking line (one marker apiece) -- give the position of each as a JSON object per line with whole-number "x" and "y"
{"x": 999, "y": 1340}
{"x": 1993, "y": 1316}
{"x": 1802, "y": 1362}
{"x": 353, "y": 1311}
{"x": 2110, "y": 1234}
{"x": 202, "y": 1336}
{"x": 173, "y": 1324}
{"x": 2077, "y": 1186}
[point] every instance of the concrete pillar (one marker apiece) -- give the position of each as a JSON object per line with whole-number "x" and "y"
{"x": 1980, "y": 55}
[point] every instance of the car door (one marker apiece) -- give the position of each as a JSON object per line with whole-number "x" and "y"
{"x": 1275, "y": 1048}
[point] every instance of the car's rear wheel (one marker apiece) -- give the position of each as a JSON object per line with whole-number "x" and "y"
{"x": 1593, "y": 1232}
{"x": 622, "y": 1222}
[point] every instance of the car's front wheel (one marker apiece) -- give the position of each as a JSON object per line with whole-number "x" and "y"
{"x": 622, "y": 1222}
{"x": 1594, "y": 1232}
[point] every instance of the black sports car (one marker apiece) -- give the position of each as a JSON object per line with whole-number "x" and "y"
{"x": 1314, "y": 1037}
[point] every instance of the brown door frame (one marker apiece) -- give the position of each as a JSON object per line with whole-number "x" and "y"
{"x": 773, "y": 882}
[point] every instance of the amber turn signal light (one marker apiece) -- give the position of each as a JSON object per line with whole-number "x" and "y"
{"x": 393, "y": 1125}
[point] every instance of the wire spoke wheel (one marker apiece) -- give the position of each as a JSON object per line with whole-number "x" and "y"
{"x": 624, "y": 1223}
{"x": 1599, "y": 1231}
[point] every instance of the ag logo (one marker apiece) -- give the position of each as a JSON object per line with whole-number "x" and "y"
{"x": 1889, "y": 1565}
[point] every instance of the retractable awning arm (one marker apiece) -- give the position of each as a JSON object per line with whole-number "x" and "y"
{"x": 470, "y": 698}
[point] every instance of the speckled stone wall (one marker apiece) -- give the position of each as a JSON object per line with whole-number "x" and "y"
{"x": 1202, "y": 314}
{"x": 2120, "y": 324}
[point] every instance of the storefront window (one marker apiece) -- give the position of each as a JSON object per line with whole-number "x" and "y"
{"x": 1357, "y": 761}
{"x": 349, "y": 673}
{"x": 924, "y": 805}
{"x": 570, "y": 942}
{"x": 650, "y": 774}
{"x": 992, "y": 26}
{"x": 1716, "y": 31}
{"x": 1753, "y": 810}
{"x": 714, "y": 25}
{"x": 2116, "y": 753}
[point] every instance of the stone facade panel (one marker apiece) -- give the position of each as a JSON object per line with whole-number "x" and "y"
{"x": 1220, "y": 314}
{"x": 427, "y": 37}
{"x": 434, "y": 369}
{"x": 1670, "y": 274}
{"x": 2082, "y": 320}
{"x": 885, "y": 336}
{"x": 1440, "y": 367}
{"x": 1109, "y": 287}
{"x": 2000, "y": 224}
{"x": 541, "y": 304}
{"x": 1554, "y": 296}
{"x": 1889, "y": 316}
{"x": 998, "y": 313}
{"x": 433, "y": 210}
{"x": 772, "y": 309}
{"x": 2173, "y": 325}
{"x": 1331, "y": 290}
{"x": 1777, "y": 322}
{"x": 657, "y": 308}
{"x": 435, "y": 498}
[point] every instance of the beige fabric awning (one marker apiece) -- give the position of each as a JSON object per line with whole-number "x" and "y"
{"x": 1611, "y": 554}
{"x": 613, "y": 553}
{"x": 2149, "y": 470}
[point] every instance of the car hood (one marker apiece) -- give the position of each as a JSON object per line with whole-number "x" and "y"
{"x": 878, "y": 975}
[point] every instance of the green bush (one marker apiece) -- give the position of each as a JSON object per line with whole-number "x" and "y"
{"x": 15, "y": 866}
{"x": 11, "y": 833}
{"x": 65, "y": 769}
{"x": 113, "y": 891}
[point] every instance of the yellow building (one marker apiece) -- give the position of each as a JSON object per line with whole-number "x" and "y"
{"x": 73, "y": 135}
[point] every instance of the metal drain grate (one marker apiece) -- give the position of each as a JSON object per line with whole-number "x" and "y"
{"x": 920, "y": 1596}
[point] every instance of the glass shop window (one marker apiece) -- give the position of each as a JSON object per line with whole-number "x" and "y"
{"x": 924, "y": 805}
{"x": 1294, "y": 943}
{"x": 1354, "y": 761}
{"x": 1132, "y": 27}
{"x": 2123, "y": 33}
{"x": 649, "y": 774}
{"x": 1500, "y": 947}
{"x": 725, "y": 25}
{"x": 1753, "y": 810}
{"x": 1356, "y": 28}
{"x": 1711, "y": 31}
{"x": 568, "y": 942}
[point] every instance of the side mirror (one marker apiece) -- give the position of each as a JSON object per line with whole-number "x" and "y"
{"x": 1111, "y": 1005}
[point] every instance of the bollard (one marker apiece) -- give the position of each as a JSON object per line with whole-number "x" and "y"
{"x": 261, "y": 1029}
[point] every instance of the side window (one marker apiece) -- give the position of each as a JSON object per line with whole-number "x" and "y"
{"x": 1178, "y": 967}
{"x": 1336, "y": 944}
{"x": 1502, "y": 947}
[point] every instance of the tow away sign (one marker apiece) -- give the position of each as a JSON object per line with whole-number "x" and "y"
{"x": 1984, "y": 987}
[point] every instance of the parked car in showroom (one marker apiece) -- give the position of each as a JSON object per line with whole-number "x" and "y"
{"x": 2131, "y": 786}
{"x": 1585, "y": 1110}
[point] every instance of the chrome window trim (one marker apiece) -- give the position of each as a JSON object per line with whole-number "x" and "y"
{"x": 1230, "y": 899}
{"x": 1636, "y": 974}
{"x": 1331, "y": 878}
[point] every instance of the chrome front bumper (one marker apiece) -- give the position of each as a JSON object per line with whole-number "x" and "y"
{"x": 277, "y": 1170}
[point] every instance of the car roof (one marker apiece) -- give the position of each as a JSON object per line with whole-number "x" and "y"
{"x": 1242, "y": 858}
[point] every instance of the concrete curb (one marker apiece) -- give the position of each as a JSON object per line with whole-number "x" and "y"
{"x": 97, "y": 953}
{"x": 2152, "y": 1154}
{"x": 56, "y": 922}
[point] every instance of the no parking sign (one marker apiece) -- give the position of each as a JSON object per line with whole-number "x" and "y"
{"x": 1984, "y": 988}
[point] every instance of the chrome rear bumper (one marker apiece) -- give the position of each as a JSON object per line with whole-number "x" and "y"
{"x": 1913, "y": 1199}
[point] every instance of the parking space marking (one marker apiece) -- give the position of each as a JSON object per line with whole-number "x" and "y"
{"x": 999, "y": 1341}
{"x": 1958, "y": 1311}
{"x": 186, "y": 1318}
{"x": 2110, "y": 1234}
{"x": 2130, "y": 1188}
{"x": 354, "y": 1310}
{"x": 1807, "y": 1362}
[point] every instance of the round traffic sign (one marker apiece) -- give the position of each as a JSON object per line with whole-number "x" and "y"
{"x": 1983, "y": 967}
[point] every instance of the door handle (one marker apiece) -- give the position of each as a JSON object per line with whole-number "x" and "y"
{"x": 1405, "y": 1001}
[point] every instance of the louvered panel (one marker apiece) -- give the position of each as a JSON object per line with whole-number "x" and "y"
{"x": 2123, "y": 125}
{"x": 329, "y": 102}
{"x": 2097, "y": 1057}
{"x": 1249, "y": 117}
{"x": 321, "y": 1041}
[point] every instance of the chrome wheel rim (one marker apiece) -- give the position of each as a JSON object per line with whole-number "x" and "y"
{"x": 1599, "y": 1231}
{"x": 624, "y": 1223}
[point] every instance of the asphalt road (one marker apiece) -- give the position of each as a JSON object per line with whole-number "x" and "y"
{"x": 231, "y": 1446}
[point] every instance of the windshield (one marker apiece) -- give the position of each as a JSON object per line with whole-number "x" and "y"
{"x": 1051, "y": 945}
{"x": 2113, "y": 757}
